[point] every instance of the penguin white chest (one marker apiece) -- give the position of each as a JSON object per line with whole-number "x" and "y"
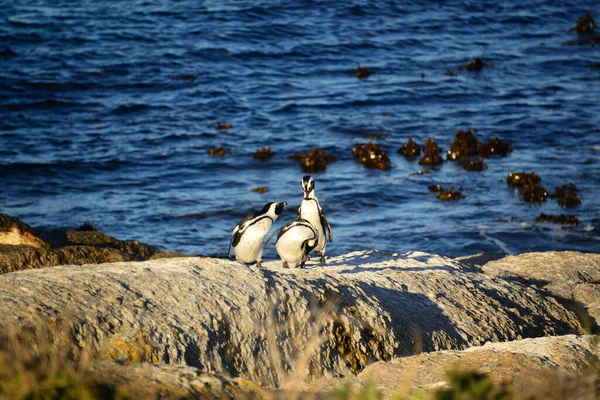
{"x": 309, "y": 210}
{"x": 250, "y": 247}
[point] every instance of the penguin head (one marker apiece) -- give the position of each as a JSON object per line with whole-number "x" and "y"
{"x": 274, "y": 209}
{"x": 279, "y": 208}
{"x": 308, "y": 185}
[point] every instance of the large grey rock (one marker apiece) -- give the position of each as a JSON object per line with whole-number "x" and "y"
{"x": 556, "y": 367}
{"x": 269, "y": 324}
{"x": 568, "y": 275}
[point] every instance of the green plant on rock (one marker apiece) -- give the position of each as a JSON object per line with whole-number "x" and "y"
{"x": 470, "y": 385}
{"x": 367, "y": 392}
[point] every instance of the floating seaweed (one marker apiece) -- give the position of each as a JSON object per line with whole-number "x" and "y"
{"x": 261, "y": 189}
{"x": 450, "y": 72}
{"x": 371, "y": 156}
{"x": 450, "y": 195}
{"x": 217, "y": 151}
{"x": 315, "y": 160}
{"x": 534, "y": 194}
{"x": 432, "y": 154}
{"x": 435, "y": 188}
{"x": 464, "y": 145}
{"x": 263, "y": 154}
{"x": 475, "y": 165}
{"x": 585, "y": 24}
{"x": 220, "y": 126}
{"x": 494, "y": 148}
{"x": 476, "y": 65}
{"x": 558, "y": 219}
{"x": 87, "y": 227}
{"x": 566, "y": 195}
{"x": 521, "y": 179}
{"x": 362, "y": 72}
{"x": 410, "y": 149}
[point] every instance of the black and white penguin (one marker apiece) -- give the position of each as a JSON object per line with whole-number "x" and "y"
{"x": 311, "y": 210}
{"x": 295, "y": 240}
{"x": 248, "y": 236}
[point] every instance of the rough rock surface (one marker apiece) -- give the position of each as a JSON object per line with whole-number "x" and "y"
{"x": 22, "y": 247}
{"x": 269, "y": 324}
{"x": 567, "y": 275}
{"x": 530, "y": 365}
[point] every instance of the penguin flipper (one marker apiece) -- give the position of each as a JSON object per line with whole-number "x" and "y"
{"x": 325, "y": 223}
{"x": 273, "y": 234}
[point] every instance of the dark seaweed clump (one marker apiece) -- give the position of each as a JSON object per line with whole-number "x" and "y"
{"x": 410, "y": 149}
{"x": 217, "y": 151}
{"x": 567, "y": 196}
{"x": 558, "y": 219}
{"x": 495, "y": 148}
{"x": 263, "y": 154}
{"x": 476, "y": 65}
{"x": 449, "y": 195}
{"x": 464, "y": 145}
{"x": 476, "y": 164}
{"x": 521, "y": 179}
{"x": 261, "y": 190}
{"x": 220, "y": 126}
{"x": 435, "y": 188}
{"x": 87, "y": 227}
{"x": 362, "y": 72}
{"x": 315, "y": 160}
{"x": 585, "y": 24}
{"x": 371, "y": 156}
{"x": 534, "y": 194}
{"x": 432, "y": 154}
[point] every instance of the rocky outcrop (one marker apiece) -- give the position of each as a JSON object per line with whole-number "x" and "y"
{"x": 272, "y": 325}
{"x": 546, "y": 368}
{"x": 572, "y": 277}
{"x": 22, "y": 247}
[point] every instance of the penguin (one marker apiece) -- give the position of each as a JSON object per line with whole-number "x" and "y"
{"x": 248, "y": 236}
{"x": 295, "y": 241}
{"x": 311, "y": 210}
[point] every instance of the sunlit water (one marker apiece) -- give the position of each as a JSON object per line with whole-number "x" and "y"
{"x": 108, "y": 108}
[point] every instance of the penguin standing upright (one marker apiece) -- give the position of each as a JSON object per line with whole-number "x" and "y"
{"x": 310, "y": 210}
{"x": 295, "y": 240}
{"x": 248, "y": 236}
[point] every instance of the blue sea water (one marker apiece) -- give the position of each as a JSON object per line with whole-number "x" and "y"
{"x": 108, "y": 108}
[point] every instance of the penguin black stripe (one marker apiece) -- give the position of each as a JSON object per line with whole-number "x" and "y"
{"x": 238, "y": 235}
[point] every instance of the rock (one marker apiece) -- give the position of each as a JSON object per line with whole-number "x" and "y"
{"x": 38, "y": 249}
{"x": 571, "y": 277}
{"x": 531, "y": 367}
{"x": 268, "y": 324}
{"x": 176, "y": 381}
{"x": 14, "y": 232}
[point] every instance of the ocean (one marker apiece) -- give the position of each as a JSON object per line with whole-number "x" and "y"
{"x": 108, "y": 110}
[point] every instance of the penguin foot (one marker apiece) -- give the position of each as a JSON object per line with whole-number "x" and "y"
{"x": 258, "y": 264}
{"x": 308, "y": 257}
{"x": 322, "y": 259}
{"x": 302, "y": 265}
{"x": 285, "y": 264}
